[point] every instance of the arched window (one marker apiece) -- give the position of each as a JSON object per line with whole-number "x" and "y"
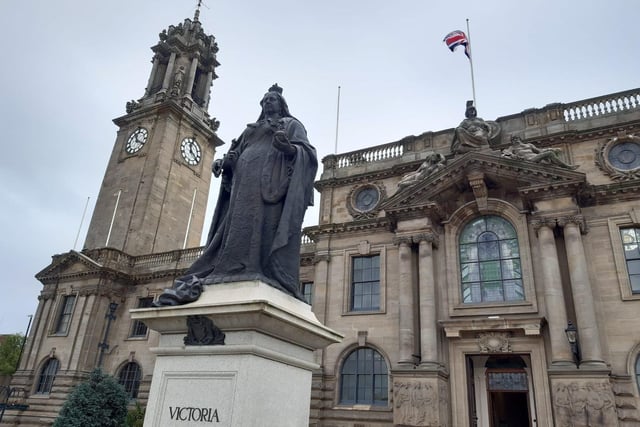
{"x": 631, "y": 244}
{"x": 47, "y": 375}
{"x": 490, "y": 267}
{"x": 363, "y": 378}
{"x": 638, "y": 372}
{"x": 129, "y": 377}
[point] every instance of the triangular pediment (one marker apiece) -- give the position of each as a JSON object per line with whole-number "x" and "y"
{"x": 479, "y": 173}
{"x": 70, "y": 264}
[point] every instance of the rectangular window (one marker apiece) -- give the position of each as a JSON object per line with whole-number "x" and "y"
{"x": 64, "y": 318}
{"x": 630, "y": 242}
{"x": 139, "y": 329}
{"x": 365, "y": 283}
{"x": 307, "y": 291}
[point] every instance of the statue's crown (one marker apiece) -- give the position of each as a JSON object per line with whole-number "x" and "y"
{"x": 275, "y": 88}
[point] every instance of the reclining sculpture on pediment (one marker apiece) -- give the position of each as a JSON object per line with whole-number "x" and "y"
{"x": 433, "y": 163}
{"x": 520, "y": 150}
{"x": 473, "y": 133}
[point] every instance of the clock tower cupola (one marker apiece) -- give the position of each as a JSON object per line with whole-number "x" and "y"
{"x": 154, "y": 193}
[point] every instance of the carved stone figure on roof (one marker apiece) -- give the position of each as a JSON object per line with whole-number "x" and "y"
{"x": 432, "y": 164}
{"x": 473, "y": 133}
{"x": 520, "y": 150}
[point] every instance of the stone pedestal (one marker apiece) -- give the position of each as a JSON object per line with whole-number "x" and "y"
{"x": 420, "y": 398}
{"x": 583, "y": 399}
{"x": 261, "y": 375}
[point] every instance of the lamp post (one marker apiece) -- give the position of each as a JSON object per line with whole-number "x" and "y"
{"x": 572, "y": 337}
{"x": 104, "y": 345}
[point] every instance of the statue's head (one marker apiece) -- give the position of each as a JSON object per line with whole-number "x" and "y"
{"x": 470, "y": 112}
{"x": 274, "y": 99}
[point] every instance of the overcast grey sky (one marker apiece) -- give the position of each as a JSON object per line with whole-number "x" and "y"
{"x": 69, "y": 67}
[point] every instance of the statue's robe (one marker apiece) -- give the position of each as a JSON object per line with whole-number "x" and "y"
{"x": 256, "y": 228}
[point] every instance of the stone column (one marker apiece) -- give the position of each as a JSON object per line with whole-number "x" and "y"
{"x": 556, "y": 312}
{"x": 40, "y": 322}
{"x": 588, "y": 334}
{"x": 207, "y": 90}
{"x": 405, "y": 300}
{"x": 320, "y": 302}
{"x": 152, "y": 76}
{"x": 320, "y": 283}
{"x": 428, "y": 317}
{"x": 169, "y": 71}
{"x": 192, "y": 76}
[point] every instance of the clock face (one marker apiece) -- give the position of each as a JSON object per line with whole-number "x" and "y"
{"x": 190, "y": 151}
{"x": 136, "y": 141}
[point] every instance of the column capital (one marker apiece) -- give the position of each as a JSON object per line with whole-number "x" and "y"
{"x": 400, "y": 240}
{"x": 320, "y": 258}
{"x": 426, "y": 237}
{"x": 538, "y": 223}
{"x": 574, "y": 219}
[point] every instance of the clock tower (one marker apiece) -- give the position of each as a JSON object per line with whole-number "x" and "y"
{"x": 154, "y": 192}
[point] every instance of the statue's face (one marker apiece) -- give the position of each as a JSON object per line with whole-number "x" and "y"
{"x": 271, "y": 103}
{"x": 471, "y": 112}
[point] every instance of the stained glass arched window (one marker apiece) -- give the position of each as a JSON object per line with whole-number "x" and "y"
{"x": 129, "y": 377}
{"x": 364, "y": 378}
{"x": 490, "y": 267}
{"x": 47, "y": 375}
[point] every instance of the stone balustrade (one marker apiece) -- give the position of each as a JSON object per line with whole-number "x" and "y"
{"x": 552, "y": 118}
{"x": 359, "y": 157}
{"x": 599, "y": 106}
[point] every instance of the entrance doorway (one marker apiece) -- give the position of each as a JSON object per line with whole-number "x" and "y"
{"x": 507, "y": 409}
{"x": 499, "y": 391}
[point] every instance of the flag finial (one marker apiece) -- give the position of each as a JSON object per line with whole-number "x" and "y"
{"x": 196, "y": 16}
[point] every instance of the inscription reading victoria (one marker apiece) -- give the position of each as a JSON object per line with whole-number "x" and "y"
{"x": 203, "y": 415}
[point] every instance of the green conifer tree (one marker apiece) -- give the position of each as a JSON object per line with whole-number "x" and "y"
{"x": 98, "y": 402}
{"x": 9, "y": 353}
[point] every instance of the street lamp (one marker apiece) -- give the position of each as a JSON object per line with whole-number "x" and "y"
{"x": 572, "y": 337}
{"x": 110, "y": 317}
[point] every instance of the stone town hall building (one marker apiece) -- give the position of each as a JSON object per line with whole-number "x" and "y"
{"x": 456, "y": 263}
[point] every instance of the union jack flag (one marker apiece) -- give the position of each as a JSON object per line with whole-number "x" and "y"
{"x": 455, "y": 39}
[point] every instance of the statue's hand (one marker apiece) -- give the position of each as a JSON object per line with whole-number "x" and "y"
{"x": 281, "y": 142}
{"x": 216, "y": 168}
{"x": 229, "y": 160}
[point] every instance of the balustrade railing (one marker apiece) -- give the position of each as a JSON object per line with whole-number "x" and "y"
{"x": 306, "y": 240}
{"x": 166, "y": 258}
{"x": 373, "y": 154}
{"x": 602, "y": 105}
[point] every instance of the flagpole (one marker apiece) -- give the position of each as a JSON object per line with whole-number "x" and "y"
{"x": 81, "y": 222}
{"x": 186, "y": 234}
{"x": 473, "y": 84}
{"x": 335, "y": 149}
{"x": 113, "y": 218}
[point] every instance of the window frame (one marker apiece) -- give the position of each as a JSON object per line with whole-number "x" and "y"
{"x": 131, "y": 384}
{"x": 44, "y": 385}
{"x": 637, "y": 372}
{"x": 371, "y": 285}
{"x": 136, "y": 323}
{"x": 63, "y": 316}
{"x": 616, "y": 224}
{"x": 308, "y": 296}
{"x": 499, "y": 260}
{"x": 363, "y": 249}
{"x": 452, "y": 229}
{"x": 341, "y": 378}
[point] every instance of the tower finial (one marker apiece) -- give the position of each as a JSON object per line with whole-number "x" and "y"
{"x": 197, "y": 14}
